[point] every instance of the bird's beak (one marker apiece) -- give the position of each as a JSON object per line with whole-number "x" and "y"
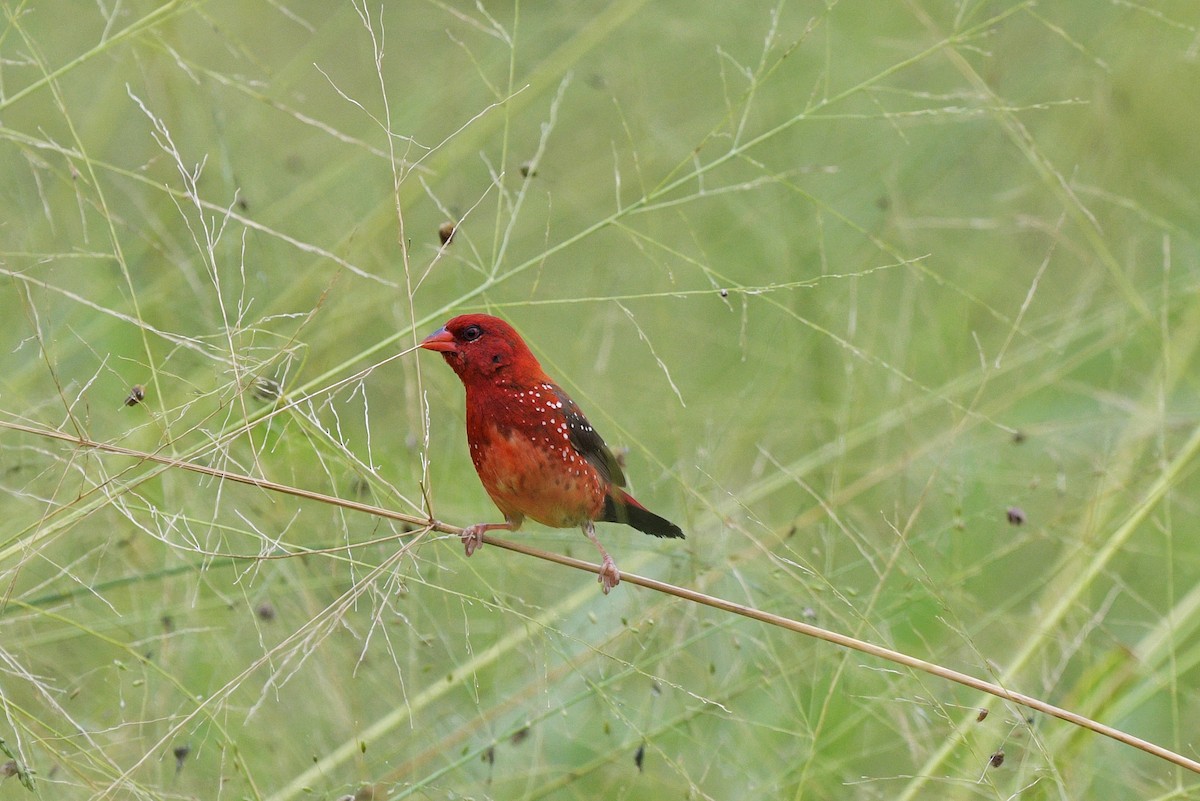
{"x": 440, "y": 340}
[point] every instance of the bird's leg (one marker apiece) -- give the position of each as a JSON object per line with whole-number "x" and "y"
{"x": 472, "y": 536}
{"x": 609, "y": 575}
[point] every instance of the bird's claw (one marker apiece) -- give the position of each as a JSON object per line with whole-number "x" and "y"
{"x": 472, "y": 537}
{"x": 609, "y": 575}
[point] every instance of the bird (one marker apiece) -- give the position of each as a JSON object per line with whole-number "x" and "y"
{"x": 536, "y": 454}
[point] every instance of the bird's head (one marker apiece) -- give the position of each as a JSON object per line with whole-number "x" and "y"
{"x": 482, "y": 347}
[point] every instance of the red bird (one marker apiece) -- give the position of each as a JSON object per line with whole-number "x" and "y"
{"x": 535, "y": 452}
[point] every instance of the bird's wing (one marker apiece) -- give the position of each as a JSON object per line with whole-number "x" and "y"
{"x": 587, "y": 442}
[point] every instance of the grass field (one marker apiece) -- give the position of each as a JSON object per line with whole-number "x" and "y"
{"x": 894, "y": 308}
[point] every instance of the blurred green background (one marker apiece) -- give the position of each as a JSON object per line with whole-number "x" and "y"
{"x": 848, "y": 280}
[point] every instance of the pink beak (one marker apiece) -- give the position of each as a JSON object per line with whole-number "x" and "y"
{"x": 440, "y": 340}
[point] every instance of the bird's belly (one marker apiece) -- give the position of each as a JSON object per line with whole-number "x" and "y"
{"x": 537, "y": 479}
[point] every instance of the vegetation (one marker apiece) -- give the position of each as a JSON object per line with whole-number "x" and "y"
{"x": 893, "y": 307}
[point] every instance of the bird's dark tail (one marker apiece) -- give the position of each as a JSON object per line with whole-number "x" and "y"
{"x": 620, "y": 507}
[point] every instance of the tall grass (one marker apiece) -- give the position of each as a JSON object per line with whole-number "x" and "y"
{"x": 893, "y": 307}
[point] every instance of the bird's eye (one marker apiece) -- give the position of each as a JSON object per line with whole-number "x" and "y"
{"x": 472, "y": 333}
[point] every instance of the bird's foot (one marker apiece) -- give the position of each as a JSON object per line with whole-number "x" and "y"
{"x": 472, "y": 537}
{"x": 609, "y": 575}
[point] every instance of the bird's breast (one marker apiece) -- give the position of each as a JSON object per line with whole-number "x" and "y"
{"x": 529, "y": 468}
